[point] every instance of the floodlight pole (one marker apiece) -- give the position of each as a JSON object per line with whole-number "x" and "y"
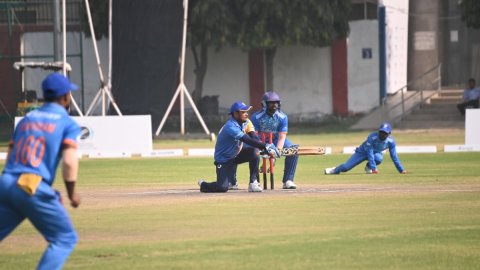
{"x": 106, "y": 86}
{"x": 182, "y": 89}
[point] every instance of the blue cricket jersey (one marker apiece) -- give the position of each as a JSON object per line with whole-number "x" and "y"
{"x": 276, "y": 123}
{"x": 228, "y": 143}
{"x": 373, "y": 145}
{"x": 38, "y": 139}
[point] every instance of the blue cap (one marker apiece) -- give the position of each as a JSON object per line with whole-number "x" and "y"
{"x": 55, "y": 85}
{"x": 239, "y": 106}
{"x": 385, "y": 127}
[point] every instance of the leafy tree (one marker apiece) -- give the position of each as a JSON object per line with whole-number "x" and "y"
{"x": 470, "y": 10}
{"x": 269, "y": 24}
{"x": 250, "y": 24}
{"x": 209, "y": 25}
{"x": 99, "y": 13}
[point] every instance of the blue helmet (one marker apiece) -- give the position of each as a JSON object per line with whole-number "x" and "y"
{"x": 385, "y": 127}
{"x": 269, "y": 97}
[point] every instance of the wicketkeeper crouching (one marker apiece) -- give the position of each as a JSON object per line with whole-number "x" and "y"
{"x": 229, "y": 152}
{"x": 372, "y": 151}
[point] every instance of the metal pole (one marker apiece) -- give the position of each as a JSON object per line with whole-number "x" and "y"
{"x": 182, "y": 89}
{"x": 109, "y": 74}
{"x": 403, "y": 105}
{"x": 64, "y": 37}
{"x": 164, "y": 119}
{"x": 382, "y": 52}
{"x": 105, "y": 85}
{"x": 64, "y": 53}
{"x": 56, "y": 30}
{"x": 110, "y": 40}
{"x": 95, "y": 48}
{"x": 182, "y": 68}
{"x": 439, "y": 77}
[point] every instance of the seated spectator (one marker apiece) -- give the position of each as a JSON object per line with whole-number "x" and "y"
{"x": 471, "y": 95}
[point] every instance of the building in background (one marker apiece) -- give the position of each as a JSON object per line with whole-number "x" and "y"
{"x": 314, "y": 81}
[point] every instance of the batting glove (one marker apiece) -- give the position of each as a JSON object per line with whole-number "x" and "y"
{"x": 273, "y": 150}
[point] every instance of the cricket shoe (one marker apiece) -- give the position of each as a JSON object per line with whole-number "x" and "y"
{"x": 330, "y": 170}
{"x": 254, "y": 187}
{"x": 232, "y": 186}
{"x": 289, "y": 184}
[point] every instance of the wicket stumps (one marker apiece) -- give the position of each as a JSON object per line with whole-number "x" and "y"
{"x": 267, "y": 137}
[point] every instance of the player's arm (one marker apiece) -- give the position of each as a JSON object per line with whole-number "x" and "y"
{"x": 10, "y": 148}
{"x": 282, "y": 131}
{"x": 253, "y": 135}
{"x": 250, "y": 130}
{"x": 253, "y": 142}
{"x": 370, "y": 155}
{"x": 392, "y": 148}
{"x": 70, "y": 170}
{"x": 281, "y": 139}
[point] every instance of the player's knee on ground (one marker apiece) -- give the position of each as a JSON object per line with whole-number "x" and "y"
{"x": 222, "y": 187}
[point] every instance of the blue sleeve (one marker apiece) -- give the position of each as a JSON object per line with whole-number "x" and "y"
{"x": 283, "y": 127}
{"x": 234, "y": 131}
{"x": 250, "y": 141}
{"x": 71, "y": 133}
{"x": 368, "y": 147}
{"x": 392, "y": 148}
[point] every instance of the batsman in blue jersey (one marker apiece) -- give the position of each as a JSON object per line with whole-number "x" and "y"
{"x": 372, "y": 151}
{"x": 272, "y": 120}
{"x": 229, "y": 152}
{"x": 40, "y": 140}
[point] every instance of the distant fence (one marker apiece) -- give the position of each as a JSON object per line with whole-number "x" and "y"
{"x": 39, "y": 12}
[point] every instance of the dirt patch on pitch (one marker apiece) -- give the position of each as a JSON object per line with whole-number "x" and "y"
{"x": 119, "y": 196}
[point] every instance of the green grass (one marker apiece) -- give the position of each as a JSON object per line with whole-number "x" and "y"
{"x": 427, "y": 219}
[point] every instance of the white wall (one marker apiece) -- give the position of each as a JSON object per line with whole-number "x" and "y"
{"x": 227, "y": 76}
{"x": 302, "y": 77}
{"x": 397, "y": 43}
{"x": 363, "y": 75}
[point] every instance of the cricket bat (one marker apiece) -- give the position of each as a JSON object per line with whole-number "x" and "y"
{"x": 303, "y": 151}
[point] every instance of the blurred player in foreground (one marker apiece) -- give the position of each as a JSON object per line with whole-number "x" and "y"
{"x": 372, "y": 151}
{"x": 40, "y": 139}
{"x": 229, "y": 152}
{"x": 272, "y": 120}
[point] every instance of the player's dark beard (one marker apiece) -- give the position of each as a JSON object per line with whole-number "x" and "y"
{"x": 382, "y": 135}
{"x": 271, "y": 109}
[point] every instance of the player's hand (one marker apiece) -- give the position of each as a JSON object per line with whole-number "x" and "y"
{"x": 404, "y": 172}
{"x": 374, "y": 171}
{"x": 273, "y": 150}
{"x": 75, "y": 200}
